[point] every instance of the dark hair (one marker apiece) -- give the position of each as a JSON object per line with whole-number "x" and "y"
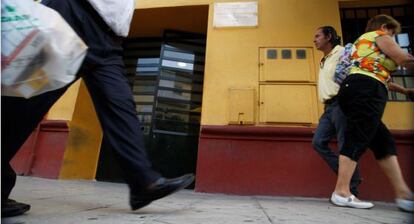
{"x": 377, "y": 21}
{"x": 329, "y": 30}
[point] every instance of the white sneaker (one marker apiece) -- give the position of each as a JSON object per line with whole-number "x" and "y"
{"x": 405, "y": 205}
{"x": 349, "y": 202}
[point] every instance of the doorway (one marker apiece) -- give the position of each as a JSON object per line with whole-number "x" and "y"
{"x": 164, "y": 57}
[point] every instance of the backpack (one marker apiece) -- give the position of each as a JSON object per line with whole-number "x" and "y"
{"x": 345, "y": 63}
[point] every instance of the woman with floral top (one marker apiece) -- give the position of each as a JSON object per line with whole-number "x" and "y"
{"x": 362, "y": 97}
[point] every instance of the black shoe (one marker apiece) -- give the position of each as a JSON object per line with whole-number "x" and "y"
{"x": 11, "y": 208}
{"x": 161, "y": 188}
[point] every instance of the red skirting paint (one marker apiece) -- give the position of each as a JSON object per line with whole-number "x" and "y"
{"x": 280, "y": 161}
{"x": 42, "y": 153}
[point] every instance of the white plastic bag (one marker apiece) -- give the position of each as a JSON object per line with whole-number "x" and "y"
{"x": 40, "y": 52}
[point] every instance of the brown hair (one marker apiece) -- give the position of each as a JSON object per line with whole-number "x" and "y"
{"x": 377, "y": 21}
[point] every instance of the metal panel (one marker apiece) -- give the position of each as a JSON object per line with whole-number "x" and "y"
{"x": 241, "y": 106}
{"x": 294, "y": 65}
{"x": 288, "y": 103}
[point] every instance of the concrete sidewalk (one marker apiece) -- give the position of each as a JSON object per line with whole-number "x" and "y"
{"x": 57, "y": 201}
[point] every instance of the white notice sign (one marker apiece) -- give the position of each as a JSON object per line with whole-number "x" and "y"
{"x": 235, "y": 14}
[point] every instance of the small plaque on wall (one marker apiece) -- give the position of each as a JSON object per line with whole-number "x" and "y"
{"x": 235, "y": 14}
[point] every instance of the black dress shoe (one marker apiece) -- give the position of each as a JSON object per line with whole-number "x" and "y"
{"x": 11, "y": 208}
{"x": 161, "y": 188}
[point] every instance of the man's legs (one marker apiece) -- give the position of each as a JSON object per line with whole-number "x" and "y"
{"x": 323, "y": 135}
{"x": 115, "y": 107}
{"x": 104, "y": 75}
{"x": 19, "y": 118}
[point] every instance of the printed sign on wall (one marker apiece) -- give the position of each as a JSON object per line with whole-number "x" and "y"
{"x": 235, "y": 14}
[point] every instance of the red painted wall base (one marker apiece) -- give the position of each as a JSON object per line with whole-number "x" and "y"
{"x": 281, "y": 161}
{"x": 42, "y": 153}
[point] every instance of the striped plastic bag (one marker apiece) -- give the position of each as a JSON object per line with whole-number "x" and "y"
{"x": 40, "y": 52}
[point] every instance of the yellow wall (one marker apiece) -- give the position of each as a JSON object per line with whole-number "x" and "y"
{"x": 65, "y": 106}
{"x": 233, "y": 54}
{"x": 399, "y": 115}
{"x": 84, "y": 143}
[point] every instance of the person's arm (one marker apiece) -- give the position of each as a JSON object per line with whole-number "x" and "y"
{"x": 390, "y": 48}
{"x": 392, "y": 86}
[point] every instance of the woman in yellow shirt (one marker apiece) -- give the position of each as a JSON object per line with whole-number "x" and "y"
{"x": 362, "y": 97}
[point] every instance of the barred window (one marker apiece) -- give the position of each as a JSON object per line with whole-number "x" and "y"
{"x": 354, "y": 20}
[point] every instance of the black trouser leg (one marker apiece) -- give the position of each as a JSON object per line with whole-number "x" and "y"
{"x": 8, "y": 180}
{"x": 104, "y": 76}
{"x": 19, "y": 117}
{"x": 115, "y": 107}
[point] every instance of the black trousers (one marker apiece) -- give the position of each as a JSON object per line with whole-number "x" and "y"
{"x": 363, "y": 100}
{"x": 103, "y": 72}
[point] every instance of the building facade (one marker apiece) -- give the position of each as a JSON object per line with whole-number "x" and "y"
{"x": 237, "y": 105}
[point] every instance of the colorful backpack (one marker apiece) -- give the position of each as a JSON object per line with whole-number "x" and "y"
{"x": 345, "y": 63}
